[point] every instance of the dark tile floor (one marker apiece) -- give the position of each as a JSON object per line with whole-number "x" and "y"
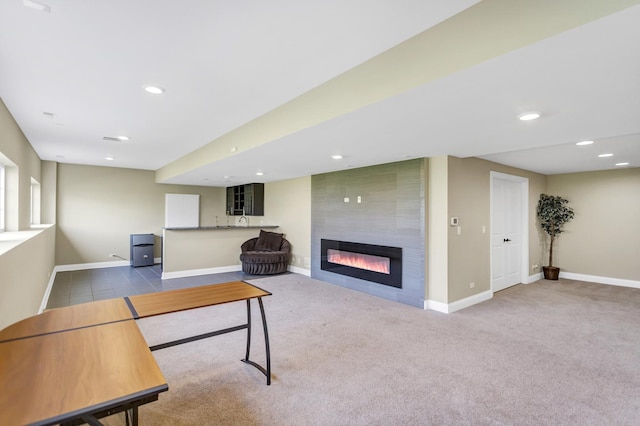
{"x": 73, "y": 287}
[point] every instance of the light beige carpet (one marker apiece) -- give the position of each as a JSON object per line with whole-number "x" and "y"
{"x": 561, "y": 353}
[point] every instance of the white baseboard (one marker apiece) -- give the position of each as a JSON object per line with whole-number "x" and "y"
{"x": 165, "y": 275}
{"x": 533, "y": 278}
{"x": 222, "y": 269}
{"x": 75, "y": 267}
{"x": 98, "y": 265}
{"x": 301, "y": 271}
{"x": 600, "y": 280}
{"x": 436, "y": 306}
{"x": 205, "y": 271}
{"x": 47, "y": 292}
{"x": 448, "y": 308}
{"x": 80, "y": 267}
{"x": 95, "y": 265}
{"x": 481, "y": 297}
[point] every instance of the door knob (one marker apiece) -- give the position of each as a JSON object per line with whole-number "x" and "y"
{"x": 506, "y": 240}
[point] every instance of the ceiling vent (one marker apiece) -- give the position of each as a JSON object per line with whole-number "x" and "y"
{"x": 115, "y": 138}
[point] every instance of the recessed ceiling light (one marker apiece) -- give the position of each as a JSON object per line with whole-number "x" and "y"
{"x": 584, "y": 143}
{"x": 336, "y": 157}
{"x": 115, "y": 138}
{"x": 109, "y": 158}
{"x": 622, "y": 164}
{"x": 529, "y": 116}
{"x": 36, "y": 6}
{"x": 156, "y": 90}
{"x": 259, "y": 173}
{"x": 605, "y": 155}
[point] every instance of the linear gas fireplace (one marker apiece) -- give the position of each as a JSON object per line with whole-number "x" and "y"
{"x": 380, "y": 264}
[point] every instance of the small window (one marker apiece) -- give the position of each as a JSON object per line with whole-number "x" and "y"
{"x": 35, "y": 202}
{"x": 8, "y": 194}
{"x": 2, "y": 196}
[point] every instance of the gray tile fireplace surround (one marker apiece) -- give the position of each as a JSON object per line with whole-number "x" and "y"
{"x": 390, "y": 213}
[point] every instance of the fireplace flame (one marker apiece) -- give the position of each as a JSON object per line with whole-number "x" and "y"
{"x": 367, "y": 262}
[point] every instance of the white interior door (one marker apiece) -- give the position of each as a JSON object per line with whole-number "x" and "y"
{"x": 506, "y": 233}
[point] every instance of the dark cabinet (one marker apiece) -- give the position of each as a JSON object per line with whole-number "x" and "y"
{"x": 235, "y": 199}
{"x": 141, "y": 249}
{"x": 249, "y": 197}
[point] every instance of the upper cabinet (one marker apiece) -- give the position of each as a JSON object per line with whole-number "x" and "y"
{"x": 249, "y": 197}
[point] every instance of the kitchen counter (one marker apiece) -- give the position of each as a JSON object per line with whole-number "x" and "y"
{"x": 205, "y": 249}
{"x": 222, "y": 228}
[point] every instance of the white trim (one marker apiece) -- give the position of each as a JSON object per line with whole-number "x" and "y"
{"x": 165, "y": 275}
{"x": 95, "y": 265}
{"x": 436, "y": 306}
{"x": 12, "y": 239}
{"x": 47, "y": 292}
{"x": 223, "y": 269}
{"x": 533, "y": 278}
{"x": 204, "y": 271}
{"x": 299, "y": 270}
{"x": 80, "y": 267}
{"x": 458, "y": 304}
{"x": 600, "y": 280}
{"x": 76, "y": 267}
{"x": 98, "y": 265}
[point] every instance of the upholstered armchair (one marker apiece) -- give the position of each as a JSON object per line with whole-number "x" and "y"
{"x": 265, "y": 255}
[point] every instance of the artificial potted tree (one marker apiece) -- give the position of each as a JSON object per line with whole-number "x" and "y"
{"x": 553, "y": 213}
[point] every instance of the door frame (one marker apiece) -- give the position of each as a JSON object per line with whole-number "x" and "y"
{"x": 524, "y": 231}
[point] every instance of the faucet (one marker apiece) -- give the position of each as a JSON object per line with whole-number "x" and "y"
{"x": 243, "y": 221}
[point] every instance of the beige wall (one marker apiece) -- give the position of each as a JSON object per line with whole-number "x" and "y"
{"x": 15, "y": 147}
{"x": 603, "y": 239}
{"x": 469, "y": 199}
{"x": 99, "y": 207}
{"x": 24, "y": 269}
{"x": 198, "y": 251}
{"x": 437, "y": 262}
{"x": 49, "y": 186}
{"x": 288, "y": 204}
{"x": 24, "y": 274}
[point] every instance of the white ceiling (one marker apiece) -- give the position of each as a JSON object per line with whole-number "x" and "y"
{"x": 225, "y": 63}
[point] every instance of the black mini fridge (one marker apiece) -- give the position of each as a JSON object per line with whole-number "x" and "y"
{"x": 141, "y": 253}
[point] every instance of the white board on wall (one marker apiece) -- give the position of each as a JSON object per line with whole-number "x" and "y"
{"x": 181, "y": 210}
